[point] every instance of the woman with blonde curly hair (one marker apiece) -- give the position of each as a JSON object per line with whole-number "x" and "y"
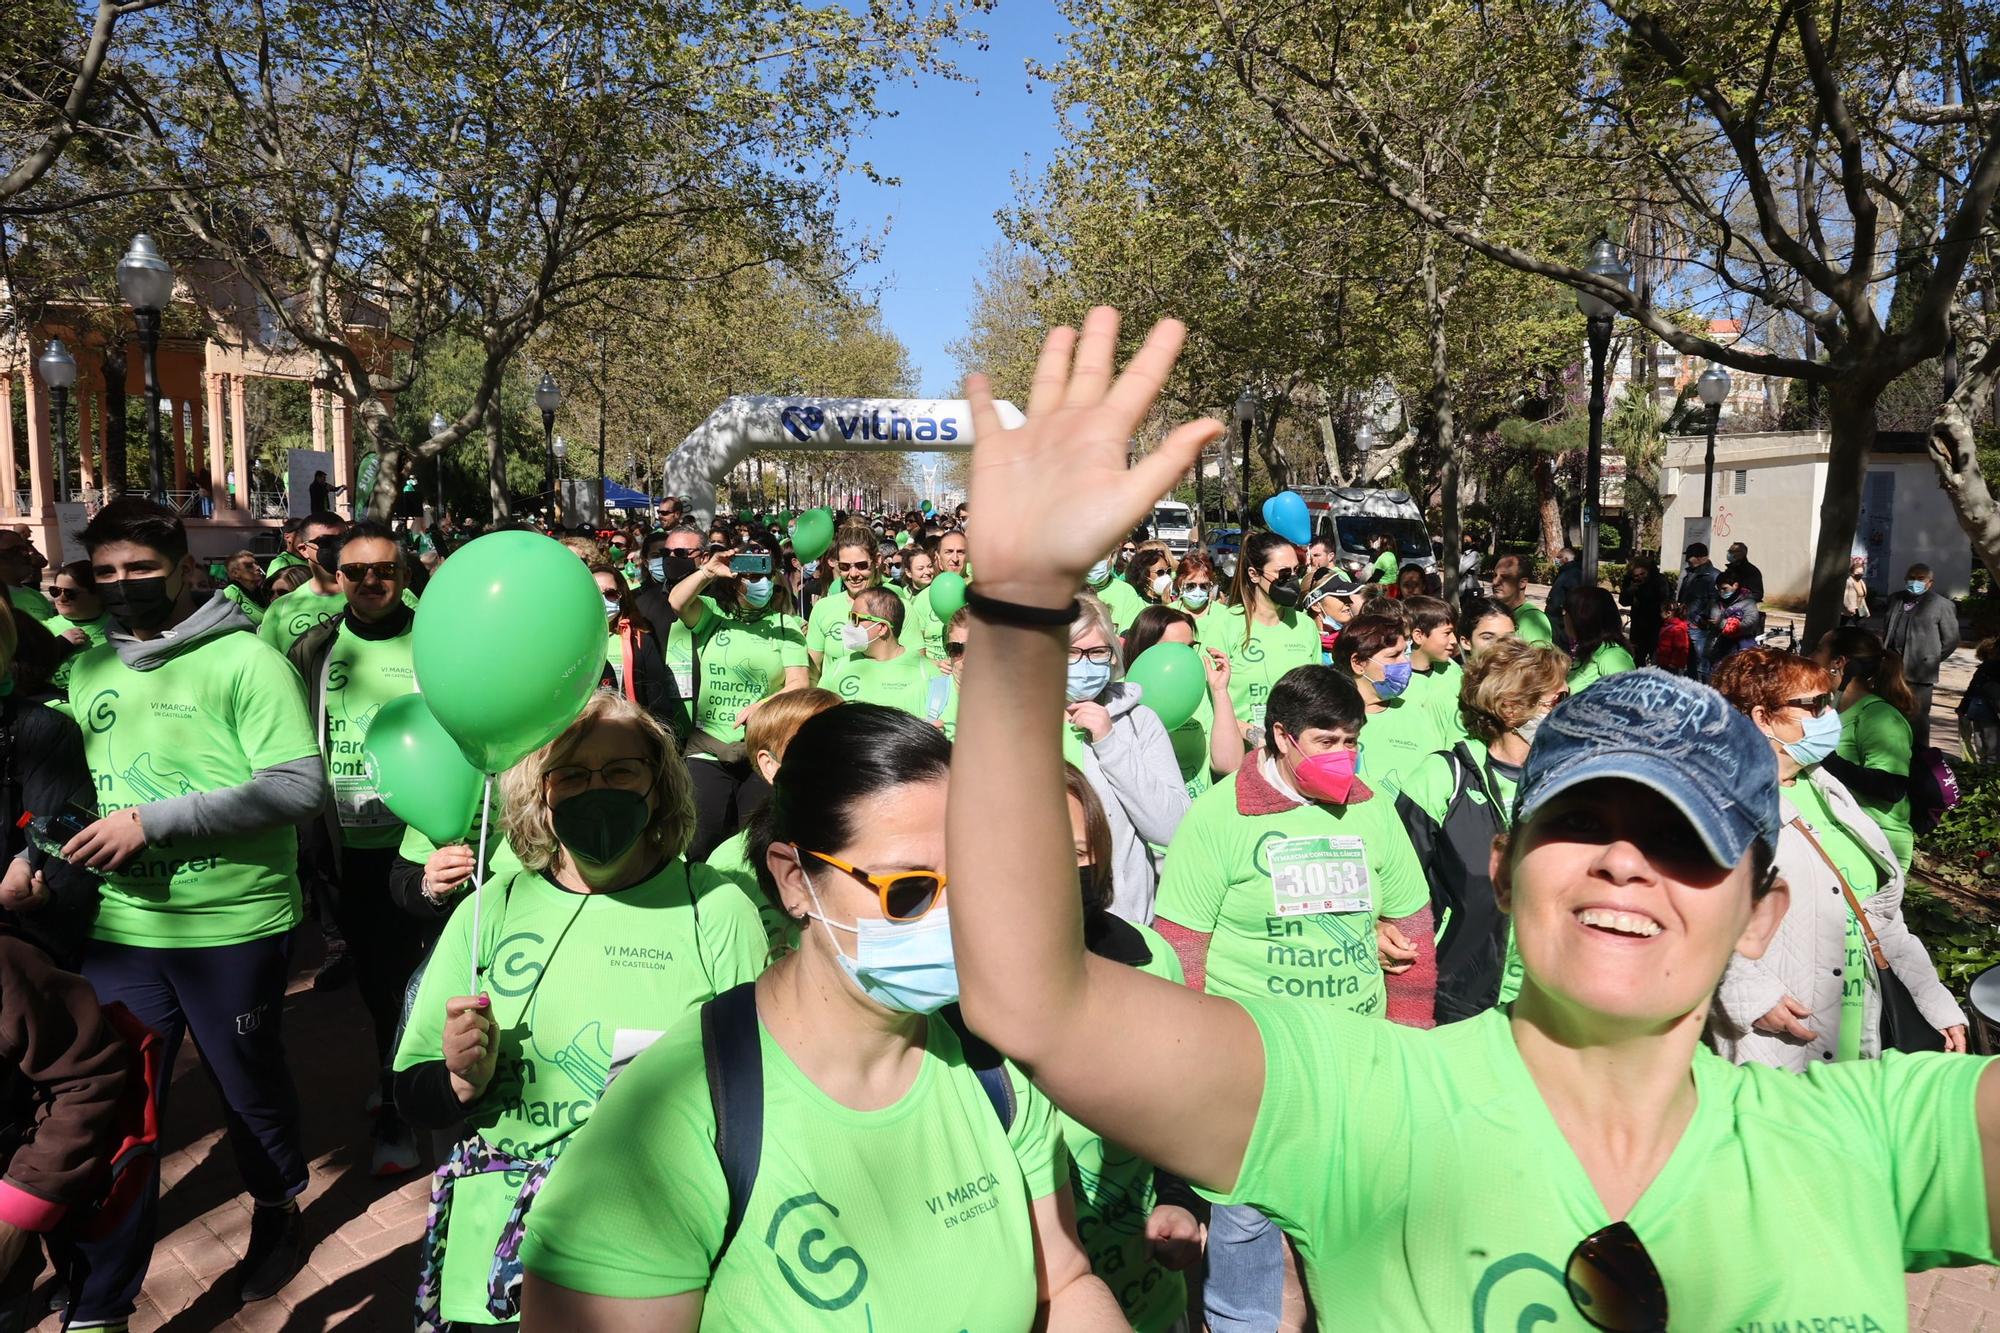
{"x": 599, "y": 944}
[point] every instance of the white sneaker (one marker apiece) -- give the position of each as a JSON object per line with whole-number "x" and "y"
{"x": 395, "y": 1152}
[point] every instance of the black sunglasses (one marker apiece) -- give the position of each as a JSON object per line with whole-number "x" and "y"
{"x": 954, "y": 648}
{"x": 384, "y": 570}
{"x": 1613, "y": 1284}
{"x": 1812, "y": 707}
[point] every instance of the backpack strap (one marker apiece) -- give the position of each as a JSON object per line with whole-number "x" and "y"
{"x": 987, "y": 1063}
{"x": 734, "y": 1055}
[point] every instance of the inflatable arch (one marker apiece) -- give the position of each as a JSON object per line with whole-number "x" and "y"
{"x": 749, "y": 422}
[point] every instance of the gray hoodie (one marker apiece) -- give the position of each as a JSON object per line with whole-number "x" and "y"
{"x": 1135, "y": 775}
{"x": 274, "y": 797}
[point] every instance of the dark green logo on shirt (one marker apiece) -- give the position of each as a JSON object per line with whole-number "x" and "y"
{"x": 850, "y": 686}
{"x": 831, "y": 1264}
{"x": 100, "y": 714}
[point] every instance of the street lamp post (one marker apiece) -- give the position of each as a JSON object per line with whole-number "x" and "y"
{"x": 1246, "y": 421}
{"x": 561, "y": 450}
{"x": 1597, "y": 311}
{"x": 58, "y": 369}
{"x": 146, "y": 284}
{"x": 438, "y": 427}
{"x": 1713, "y": 386}
{"x": 548, "y": 397}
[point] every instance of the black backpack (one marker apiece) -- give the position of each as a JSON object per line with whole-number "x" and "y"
{"x": 734, "y": 1054}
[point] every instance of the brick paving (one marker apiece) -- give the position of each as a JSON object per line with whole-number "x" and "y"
{"x": 364, "y": 1232}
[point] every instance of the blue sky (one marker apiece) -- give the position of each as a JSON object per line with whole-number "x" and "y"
{"x": 957, "y": 148}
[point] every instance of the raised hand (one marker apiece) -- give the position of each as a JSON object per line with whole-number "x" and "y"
{"x": 1054, "y": 494}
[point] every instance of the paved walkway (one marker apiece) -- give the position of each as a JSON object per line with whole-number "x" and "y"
{"x": 364, "y": 1232}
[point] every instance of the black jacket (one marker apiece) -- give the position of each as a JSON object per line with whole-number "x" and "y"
{"x": 1472, "y": 952}
{"x": 42, "y": 770}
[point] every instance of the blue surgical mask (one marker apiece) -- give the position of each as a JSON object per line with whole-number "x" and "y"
{"x": 1822, "y": 738}
{"x": 757, "y": 592}
{"x": 1087, "y": 680}
{"x": 1195, "y": 598}
{"x": 1526, "y": 731}
{"x": 902, "y": 965}
{"x": 657, "y": 568}
{"x": 1395, "y": 679}
{"x": 612, "y": 609}
{"x": 1916, "y": 587}
{"x": 1100, "y": 573}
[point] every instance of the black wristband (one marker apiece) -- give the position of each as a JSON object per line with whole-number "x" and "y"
{"x": 1013, "y": 613}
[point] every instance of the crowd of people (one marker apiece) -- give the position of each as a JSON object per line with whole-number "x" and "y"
{"x": 864, "y": 958}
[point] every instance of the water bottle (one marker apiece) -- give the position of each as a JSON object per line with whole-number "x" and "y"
{"x": 49, "y": 834}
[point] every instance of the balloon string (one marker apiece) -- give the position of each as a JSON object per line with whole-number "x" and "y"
{"x": 479, "y": 883}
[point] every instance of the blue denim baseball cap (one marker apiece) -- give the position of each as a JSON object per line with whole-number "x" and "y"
{"x": 1672, "y": 735}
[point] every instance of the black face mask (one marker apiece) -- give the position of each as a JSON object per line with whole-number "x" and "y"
{"x": 677, "y": 565}
{"x": 601, "y": 824}
{"x": 1286, "y": 592}
{"x": 138, "y": 604}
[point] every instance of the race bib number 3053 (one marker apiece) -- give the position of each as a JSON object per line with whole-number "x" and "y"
{"x": 1319, "y": 874}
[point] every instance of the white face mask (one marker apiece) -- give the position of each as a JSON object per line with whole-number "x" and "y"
{"x": 854, "y": 638}
{"x": 1163, "y": 583}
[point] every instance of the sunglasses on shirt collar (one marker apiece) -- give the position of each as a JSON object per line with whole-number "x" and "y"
{"x": 1614, "y": 1284}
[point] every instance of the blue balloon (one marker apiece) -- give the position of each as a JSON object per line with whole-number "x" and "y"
{"x": 1285, "y": 514}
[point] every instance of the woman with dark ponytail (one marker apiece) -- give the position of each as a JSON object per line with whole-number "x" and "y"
{"x": 1261, "y": 630}
{"x": 1875, "y": 732}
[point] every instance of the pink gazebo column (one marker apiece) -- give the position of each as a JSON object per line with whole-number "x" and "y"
{"x": 180, "y": 444}
{"x": 218, "y": 449}
{"x": 343, "y": 452}
{"x": 7, "y": 445}
{"x": 88, "y": 417}
{"x": 239, "y": 440}
{"x": 41, "y": 472}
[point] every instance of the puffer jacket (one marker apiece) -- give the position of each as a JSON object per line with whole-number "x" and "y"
{"x": 1805, "y": 956}
{"x": 1135, "y": 775}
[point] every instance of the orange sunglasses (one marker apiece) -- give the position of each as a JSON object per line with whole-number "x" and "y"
{"x": 905, "y": 896}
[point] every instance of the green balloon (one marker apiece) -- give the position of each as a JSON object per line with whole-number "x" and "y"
{"x": 811, "y": 535}
{"x": 947, "y": 594}
{"x": 1172, "y": 679}
{"x": 418, "y": 770}
{"x": 509, "y": 645}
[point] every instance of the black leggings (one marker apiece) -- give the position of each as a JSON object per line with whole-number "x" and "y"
{"x": 386, "y": 942}
{"x": 726, "y": 794}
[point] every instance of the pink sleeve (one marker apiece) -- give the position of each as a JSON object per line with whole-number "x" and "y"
{"x": 1190, "y": 946}
{"x": 1413, "y": 994}
{"x": 29, "y": 1212}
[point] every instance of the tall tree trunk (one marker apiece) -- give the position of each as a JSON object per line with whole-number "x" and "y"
{"x": 496, "y": 468}
{"x": 1546, "y": 503}
{"x": 113, "y": 478}
{"x": 1956, "y": 453}
{"x": 1851, "y": 412}
{"x": 1444, "y": 417}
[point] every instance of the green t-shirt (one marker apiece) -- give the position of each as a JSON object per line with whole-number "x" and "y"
{"x": 901, "y": 682}
{"x": 358, "y": 677}
{"x": 914, "y": 1216}
{"x": 829, "y": 613}
{"x": 679, "y": 654}
{"x": 742, "y": 661}
{"x": 922, "y": 628}
{"x": 1436, "y": 691}
{"x": 1531, "y": 625}
{"x": 1256, "y": 666}
{"x": 1388, "y": 566}
{"x": 1425, "y": 1182}
{"x": 283, "y": 560}
{"x": 731, "y": 860}
{"x": 1291, "y": 899}
{"x": 1395, "y": 740}
{"x": 205, "y": 719}
{"x": 290, "y": 616}
{"x": 245, "y": 603}
{"x": 1124, "y": 603}
{"x": 95, "y": 631}
{"x": 1608, "y": 660}
{"x": 579, "y": 982}
{"x": 1851, "y": 857}
{"x": 32, "y": 604}
{"x": 1874, "y": 735}
{"x": 1114, "y": 1197}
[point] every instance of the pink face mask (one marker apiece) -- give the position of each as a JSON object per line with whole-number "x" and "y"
{"x": 1329, "y": 777}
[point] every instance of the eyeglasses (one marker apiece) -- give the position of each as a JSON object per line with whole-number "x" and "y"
{"x": 1094, "y": 656}
{"x": 905, "y": 896}
{"x": 1613, "y": 1284}
{"x": 566, "y": 780}
{"x": 384, "y": 570}
{"x": 1127, "y": 550}
{"x": 1811, "y": 707}
{"x": 854, "y": 567}
{"x": 954, "y": 648}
